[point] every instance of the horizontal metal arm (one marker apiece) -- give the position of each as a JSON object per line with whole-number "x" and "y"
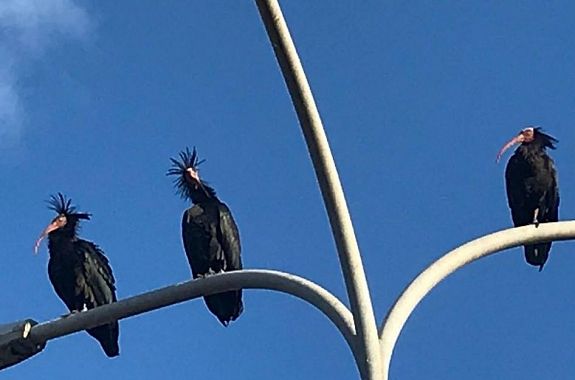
{"x": 465, "y": 254}
{"x": 14, "y": 343}
{"x": 297, "y": 286}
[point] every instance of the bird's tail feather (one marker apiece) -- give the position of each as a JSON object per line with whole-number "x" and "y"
{"x": 537, "y": 254}
{"x": 107, "y": 335}
{"x": 226, "y": 306}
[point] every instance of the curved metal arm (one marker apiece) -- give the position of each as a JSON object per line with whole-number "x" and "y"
{"x": 329, "y": 183}
{"x": 297, "y": 286}
{"x": 465, "y": 254}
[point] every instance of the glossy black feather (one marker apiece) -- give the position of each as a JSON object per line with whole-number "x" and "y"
{"x": 211, "y": 238}
{"x": 81, "y": 276}
{"x": 531, "y": 183}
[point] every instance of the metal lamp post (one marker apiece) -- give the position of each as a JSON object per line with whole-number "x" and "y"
{"x": 372, "y": 351}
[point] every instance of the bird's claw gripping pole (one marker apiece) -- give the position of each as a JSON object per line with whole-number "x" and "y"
{"x": 449, "y": 263}
{"x": 331, "y": 189}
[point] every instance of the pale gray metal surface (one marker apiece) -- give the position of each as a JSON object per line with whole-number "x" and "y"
{"x": 246, "y": 279}
{"x": 449, "y": 263}
{"x": 330, "y": 185}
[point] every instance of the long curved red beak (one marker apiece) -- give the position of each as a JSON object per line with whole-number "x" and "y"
{"x": 51, "y": 227}
{"x": 516, "y": 140}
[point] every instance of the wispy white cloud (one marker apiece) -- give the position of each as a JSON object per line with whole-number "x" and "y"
{"x": 10, "y": 111}
{"x": 27, "y": 29}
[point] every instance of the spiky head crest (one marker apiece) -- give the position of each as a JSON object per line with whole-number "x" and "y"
{"x": 64, "y": 226}
{"x": 184, "y": 187}
{"x": 544, "y": 139}
{"x": 63, "y": 206}
{"x": 532, "y": 140}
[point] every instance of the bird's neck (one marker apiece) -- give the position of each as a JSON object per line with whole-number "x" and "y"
{"x": 205, "y": 200}
{"x": 204, "y": 194}
{"x": 60, "y": 243}
{"x": 532, "y": 149}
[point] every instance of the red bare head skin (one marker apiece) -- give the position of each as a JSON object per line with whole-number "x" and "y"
{"x": 194, "y": 176}
{"x": 525, "y": 136}
{"x": 58, "y": 222}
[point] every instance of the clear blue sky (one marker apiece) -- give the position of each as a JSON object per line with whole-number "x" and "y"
{"x": 416, "y": 99}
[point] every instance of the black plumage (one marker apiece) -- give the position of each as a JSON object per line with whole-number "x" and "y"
{"x": 78, "y": 270}
{"x": 210, "y": 235}
{"x": 532, "y": 189}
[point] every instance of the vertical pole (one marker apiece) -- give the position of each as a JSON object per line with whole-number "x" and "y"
{"x": 331, "y": 189}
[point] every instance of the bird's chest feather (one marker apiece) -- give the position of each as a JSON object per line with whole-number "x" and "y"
{"x": 200, "y": 227}
{"x": 202, "y": 218}
{"x": 535, "y": 173}
{"x": 64, "y": 262}
{"x": 66, "y": 273}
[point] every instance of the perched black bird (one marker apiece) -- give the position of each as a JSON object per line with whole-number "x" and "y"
{"x": 532, "y": 191}
{"x": 79, "y": 271}
{"x": 210, "y": 235}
